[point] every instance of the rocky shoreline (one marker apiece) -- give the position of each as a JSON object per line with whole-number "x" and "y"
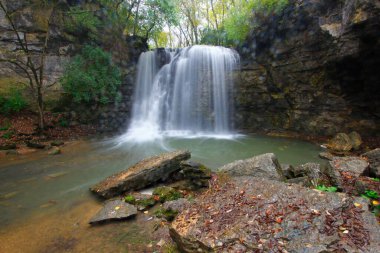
{"x": 252, "y": 205}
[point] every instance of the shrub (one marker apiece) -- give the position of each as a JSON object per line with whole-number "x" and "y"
{"x": 326, "y": 189}
{"x": 92, "y": 77}
{"x": 14, "y": 102}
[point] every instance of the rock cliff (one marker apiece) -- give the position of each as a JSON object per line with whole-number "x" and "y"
{"x": 313, "y": 68}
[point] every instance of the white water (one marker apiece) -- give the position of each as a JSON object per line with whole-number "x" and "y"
{"x": 187, "y": 93}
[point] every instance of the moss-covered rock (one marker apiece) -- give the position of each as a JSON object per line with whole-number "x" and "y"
{"x": 167, "y": 214}
{"x": 167, "y": 193}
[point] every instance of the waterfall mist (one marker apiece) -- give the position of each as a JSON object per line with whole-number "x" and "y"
{"x": 185, "y": 92}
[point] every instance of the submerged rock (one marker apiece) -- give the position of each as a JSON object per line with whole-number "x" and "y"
{"x": 141, "y": 175}
{"x": 264, "y": 166}
{"x": 249, "y": 214}
{"x": 373, "y": 157}
{"x": 114, "y": 210}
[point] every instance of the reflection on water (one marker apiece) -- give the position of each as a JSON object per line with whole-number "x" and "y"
{"x": 49, "y": 185}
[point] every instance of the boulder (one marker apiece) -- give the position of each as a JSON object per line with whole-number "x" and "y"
{"x": 287, "y": 170}
{"x": 312, "y": 171}
{"x": 250, "y": 214}
{"x": 356, "y": 166}
{"x": 326, "y": 155}
{"x": 177, "y": 205}
{"x": 264, "y": 166}
{"x": 373, "y": 157}
{"x": 340, "y": 143}
{"x": 114, "y": 210}
{"x": 356, "y": 140}
{"x": 141, "y": 175}
{"x": 193, "y": 176}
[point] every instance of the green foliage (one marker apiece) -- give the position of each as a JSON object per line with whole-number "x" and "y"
{"x": 167, "y": 214}
{"x": 130, "y": 199}
{"x": 8, "y": 135}
{"x": 14, "y": 102}
{"x": 239, "y": 19}
{"x": 92, "y": 77}
{"x": 63, "y": 122}
{"x": 167, "y": 193}
{"x": 370, "y": 194}
{"x": 376, "y": 179}
{"x": 82, "y": 22}
{"x": 326, "y": 189}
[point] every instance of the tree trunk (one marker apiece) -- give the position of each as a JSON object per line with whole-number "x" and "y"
{"x": 41, "y": 121}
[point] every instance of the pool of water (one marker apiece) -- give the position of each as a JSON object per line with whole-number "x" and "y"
{"x": 51, "y": 185}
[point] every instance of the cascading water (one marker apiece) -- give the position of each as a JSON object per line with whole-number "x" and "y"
{"x": 183, "y": 92}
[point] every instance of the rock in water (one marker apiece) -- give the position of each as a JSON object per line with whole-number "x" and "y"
{"x": 142, "y": 174}
{"x": 114, "y": 210}
{"x": 265, "y": 166}
{"x": 373, "y": 157}
{"x": 249, "y": 214}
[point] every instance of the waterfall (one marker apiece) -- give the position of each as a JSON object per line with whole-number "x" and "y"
{"x": 183, "y": 92}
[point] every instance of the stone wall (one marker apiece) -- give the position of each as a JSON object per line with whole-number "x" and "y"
{"x": 313, "y": 68}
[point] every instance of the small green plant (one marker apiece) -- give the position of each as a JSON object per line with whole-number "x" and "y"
{"x": 167, "y": 193}
{"x": 376, "y": 179}
{"x": 130, "y": 199}
{"x": 14, "y": 102}
{"x": 63, "y": 122}
{"x": 7, "y": 135}
{"x": 326, "y": 188}
{"x": 167, "y": 214}
{"x": 370, "y": 194}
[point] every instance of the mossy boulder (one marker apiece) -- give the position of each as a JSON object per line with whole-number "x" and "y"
{"x": 141, "y": 201}
{"x": 167, "y": 214}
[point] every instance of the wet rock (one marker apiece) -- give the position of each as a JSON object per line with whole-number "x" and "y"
{"x": 35, "y": 145}
{"x": 255, "y": 214}
{"x": 340, "y": 143}
{"x": 313, "y": 173}
{"x": 114, "y": 210}
{"x": 265, "y": 166}
{"x": 192, "y": 176}
{"x": 373, "y": 157}
{"x": 326, "y": 155}
{"x": 54, "y": 151}
{"x": 355, "y": 165}
{"x": 141, "y": 175}
{"x": 177, "y": 205}
{"x": 356, "y": 140}
{"x": 287, "y": 170}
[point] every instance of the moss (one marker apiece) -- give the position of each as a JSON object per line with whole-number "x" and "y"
{"x": 167, "y": 214}
{"x": 130, "y": 199}
{"x": 167, "y": 193}
{"x": 146, "y": 202}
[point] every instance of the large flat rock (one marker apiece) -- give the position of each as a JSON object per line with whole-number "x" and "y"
{"x": 264, "y": 166}
{"x": 114, "y": 210}
{"x": 141, "y": 175}
{"x": 249, "y": 214}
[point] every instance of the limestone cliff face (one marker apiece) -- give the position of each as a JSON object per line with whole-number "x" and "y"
{"x": 30, "y": 17}
{"x": 314, "y": 68}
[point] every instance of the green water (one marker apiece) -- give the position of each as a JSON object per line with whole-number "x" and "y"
{"x": 52, "y": 184}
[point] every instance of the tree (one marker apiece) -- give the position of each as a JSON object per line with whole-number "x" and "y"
{"x": 92, "y": 77}
{"x": 28, "y": 63}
